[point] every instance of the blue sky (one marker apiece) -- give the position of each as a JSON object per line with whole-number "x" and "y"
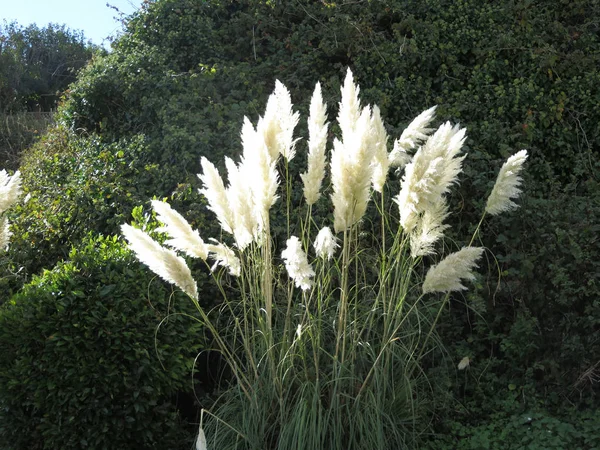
{"x": 93, "y": 17}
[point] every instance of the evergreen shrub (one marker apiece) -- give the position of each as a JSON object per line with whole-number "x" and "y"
{"x": 83, "y": 364}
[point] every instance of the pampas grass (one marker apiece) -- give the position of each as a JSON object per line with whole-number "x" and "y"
{"x": 325, "y": 337}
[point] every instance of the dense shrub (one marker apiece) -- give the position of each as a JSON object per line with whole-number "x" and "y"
{"x": 530, "y": 429}
{"x": 78, "y": 185}
{"x": 519, "y": 74}
{"x": 83, "y": 364}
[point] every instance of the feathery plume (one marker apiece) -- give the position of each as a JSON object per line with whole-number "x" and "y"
{"x": 378, "y": 138}
{"x": 464, "y": 363}
{"x": 163, "y": 262}
{"x": 434, "y": 168}
{"x": 214, "y": 191}
{"x": 317, "y": 140}
{"x": 351, "y": 173}
{"x": 4, "y": 233}
{"x": 277, "y": 125}
{"x": 10, "y": 189}
{"x": 224, "y": 256}
{"x": 201, "y": 440}
{"x": 261, "y": 172}
{"x": 429, "y": 229}
{"x": 507, "y": 185}
{"x": 349, "y": 111}
{"x": 297, "y": 264}
{"x": 245, "y": 227}
{"x": 446, "y": 276}
{"x": 325, "y": 243}
{"x": 183, "y": 237}
{"x": 411, "y": 137}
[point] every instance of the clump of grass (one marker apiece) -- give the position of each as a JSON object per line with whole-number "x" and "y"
{"x": 329, "y": 355}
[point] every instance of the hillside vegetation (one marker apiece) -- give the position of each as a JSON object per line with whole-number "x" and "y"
{"x": 518, "y": 74}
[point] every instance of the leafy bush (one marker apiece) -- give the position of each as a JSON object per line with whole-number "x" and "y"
{"x": 83, "y": 364}
{"x": 522, "y": 74}
{"x": 531, "y": 430}
{"x": 75, "y": 186}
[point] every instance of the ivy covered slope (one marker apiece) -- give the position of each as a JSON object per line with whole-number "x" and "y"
{"x": 517, "y": 74}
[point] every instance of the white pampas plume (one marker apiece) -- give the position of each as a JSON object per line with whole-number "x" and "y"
{"x": 317, "y": 140}
{"x": 446, "y": 276}
{"x": 411, "y": 137}
{"x": 378, "y": 139}
{"x": 464, "y": 363}
{"x": 429, "y": 230}
{"x": 297, "y": 264}
{"x": 277, "y": 125}
{"x": 4, "y": 233}
{"x": 507, "y": 185}
{"x": 214, "y": 191}
{"x": 434, "y": 168}
{"x": 351, "y": 174}
{"x": 224, "y": 256}
{"x": 325, "y": 243}
{"x": 201, "y": 440}
{"x": 183, "y": 237}
{"x": 260, "y": 169}
{"x": 163, "y": 262}
{"x": 10, "y": 189}
{"x": 349, "y": 111}
{"x": 245, "y": 227}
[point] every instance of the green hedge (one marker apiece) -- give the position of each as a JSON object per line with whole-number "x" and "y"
{"x": 82, "y": 363}
{"x": 517, "y": 73}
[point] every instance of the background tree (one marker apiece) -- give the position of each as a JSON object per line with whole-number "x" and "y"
{"x": 38, "y": 64}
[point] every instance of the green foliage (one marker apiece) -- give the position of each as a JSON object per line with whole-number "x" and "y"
{"x": 77, "y": 185}
{"x": 530, "y": 430}
{"x": 37, "y": 64}
{"x": 83, "y": 364}
{"x": 72, "y": 189}
{"x": 521, "y": 74}
{"x": 36, "y": 67}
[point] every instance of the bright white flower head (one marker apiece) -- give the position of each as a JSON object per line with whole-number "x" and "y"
{"x": 464, "y": 363}
{"x": 214, "y": 191}
{"x": 378, "y": 138}
{"x": 260, "y": 171}
{"x": 297, "y": 264}
{"x": 245, "y": 226}
{"x": 317, "y": 140}
{"x": 434, "y": 168}
{"x": 163, "y": 262}
{"x": 446, "y": 276}
{"x": 183, "y": 237}
{"x": 10, "y": 189}
{"x": 429, "y": 230}
{"x": 224, "y": 256}
{"x": 4, "y": 233}
{"x": 351, "y": 173}
{"x": 349, "y": 111}
{"x": 201, "y": 440}
{"x": 325, "y": 243}
{"x": 507, "y": 185}
{"x": 411, "y": 137}
{"x": 277, "y": 125}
